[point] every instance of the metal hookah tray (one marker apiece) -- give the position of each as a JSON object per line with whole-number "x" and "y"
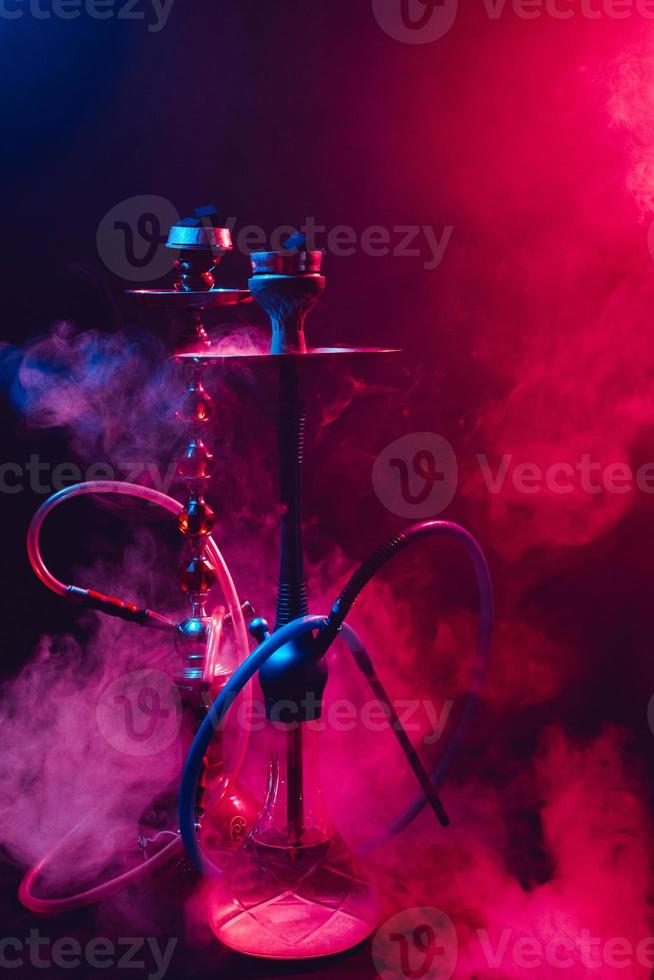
{"x": 171, "y": 299}
{"x": 261, "y": 357}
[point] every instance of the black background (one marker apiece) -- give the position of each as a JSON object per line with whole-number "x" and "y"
{"x": 276, "y": 111}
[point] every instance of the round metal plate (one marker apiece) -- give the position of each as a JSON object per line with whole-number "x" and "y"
{"x": 170, "y": 299}
{"x": 263, "y": 357}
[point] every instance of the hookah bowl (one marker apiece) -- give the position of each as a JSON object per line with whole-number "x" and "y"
{"x": 293, "y": 890}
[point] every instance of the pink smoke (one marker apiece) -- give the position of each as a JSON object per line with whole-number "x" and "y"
{"x": 559, "y": 338}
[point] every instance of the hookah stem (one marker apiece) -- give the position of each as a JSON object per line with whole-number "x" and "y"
{"x": 295, "y": 790}
{"x": 292, "y": 595}
{"x": 196, "y": 541}
{"x": 292, "y": 601}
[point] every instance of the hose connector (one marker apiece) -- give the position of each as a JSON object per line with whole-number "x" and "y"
{"x": 112, "y": 606}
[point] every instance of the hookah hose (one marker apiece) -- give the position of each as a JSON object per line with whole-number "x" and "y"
{"x": 218, "y": 710}
{"x": 55, "y": 906}
{"x": 328, "y": 629}
{"x": 117, "y": 607}
{"x": 351, "y": 593}
{"x": 88, "y": 597}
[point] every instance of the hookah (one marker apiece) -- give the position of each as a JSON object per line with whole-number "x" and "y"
{"x": 286, "y": 885}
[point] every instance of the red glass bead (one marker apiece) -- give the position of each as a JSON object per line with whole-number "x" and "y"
{"x": 192, "y": 273}
{"x": 197, "y": 405}
{"x": 197, "y": 575}
{"x": 196, "y": 463}
{"x": 197, "y": 519}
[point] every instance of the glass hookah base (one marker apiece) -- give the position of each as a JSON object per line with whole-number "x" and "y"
{"x": 288, "y": 903}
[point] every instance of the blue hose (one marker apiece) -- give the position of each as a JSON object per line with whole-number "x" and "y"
{"x": 329, "y": 628}
{"x": 217, "y": 712}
